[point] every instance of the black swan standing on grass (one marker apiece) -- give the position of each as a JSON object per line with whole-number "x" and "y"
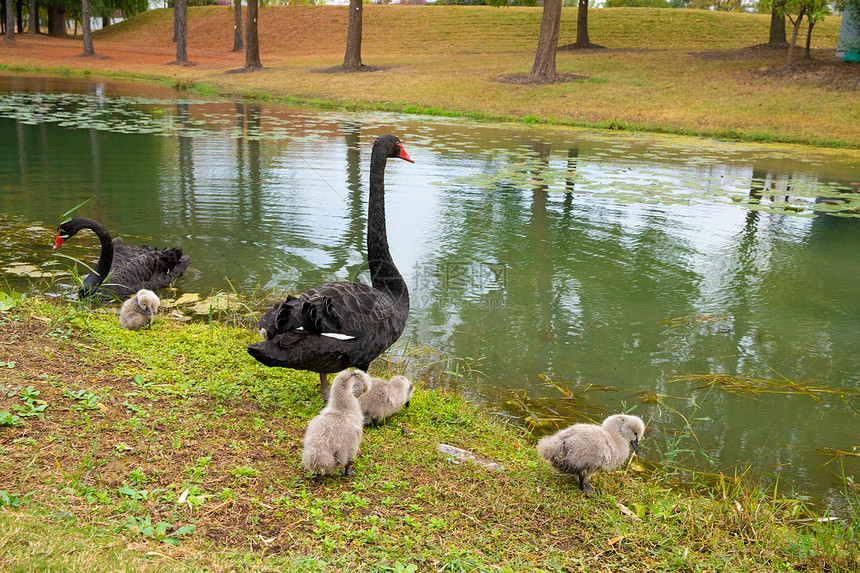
{"x": 343, "y": 324}
{"x": 122, "y": 270}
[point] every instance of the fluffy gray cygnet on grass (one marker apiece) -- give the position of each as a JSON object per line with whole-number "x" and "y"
{"x": 583, "y": 449}
{"x": 385, "y": 398}
{"x": 334, "y": 435}
{"x": 137, "y": 312}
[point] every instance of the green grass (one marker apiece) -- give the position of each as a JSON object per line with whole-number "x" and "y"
{"x": 171, "y": 450}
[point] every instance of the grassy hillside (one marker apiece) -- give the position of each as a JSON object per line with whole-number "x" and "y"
{"x": 416, "y": 30}
{"x": 680, "y": 71}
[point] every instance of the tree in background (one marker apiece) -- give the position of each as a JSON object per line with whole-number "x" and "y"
{"x": 543, "y": 69}
{"x": 817, "y": 11}
{"x": 795, "y": 10}
{"x": 89, "y": 50}
{"x": 237, "y": 26}
{"x": 777, "y": 26}
{"x": 252, "y": 44}
{"x": 180, "y": 30}
{"x": 352, "y": 59}
{"x": 10, "y": 22}
{"x": 34, "y": 18}
{"x": 582, "y": 40}
{"x": 56, "y": 18}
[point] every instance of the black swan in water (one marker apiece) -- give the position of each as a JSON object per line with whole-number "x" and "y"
{"x": 343, "y": 324}
{"x": 126, "y": 268}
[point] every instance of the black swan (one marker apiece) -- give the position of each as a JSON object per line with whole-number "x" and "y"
{"x": 126, "y": 268}
{"x": 583, "y": 449}
{"x": 343, "y": 324}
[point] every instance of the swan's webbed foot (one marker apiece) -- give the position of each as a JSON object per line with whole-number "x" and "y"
{"x": 585, "y": 486}
{"x": 348, "y": 470}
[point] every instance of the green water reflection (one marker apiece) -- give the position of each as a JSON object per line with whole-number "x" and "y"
{"x": 557, "y": 275}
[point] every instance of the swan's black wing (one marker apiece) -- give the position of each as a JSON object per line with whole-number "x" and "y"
{"x": 123, "y": 253}
{"x": 330, "y": 327}
{"x": 136, "y": 268}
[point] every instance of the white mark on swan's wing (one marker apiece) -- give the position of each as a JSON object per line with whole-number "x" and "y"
{"x": 338, "y": 335}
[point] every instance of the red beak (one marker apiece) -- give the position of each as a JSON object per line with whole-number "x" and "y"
{"x": 60, "y": 240}
{"x": 404, "y": 155}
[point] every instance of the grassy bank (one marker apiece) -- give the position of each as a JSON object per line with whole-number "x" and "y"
{"x": 675, "y": 71}
{"x": 173, "y": 450}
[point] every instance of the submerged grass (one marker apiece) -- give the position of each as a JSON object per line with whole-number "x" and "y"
{"x": 742, "y": 384}
{"x": 171, "y": 450}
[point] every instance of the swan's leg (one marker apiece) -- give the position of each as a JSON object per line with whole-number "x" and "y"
{"x": 324, "y": 386}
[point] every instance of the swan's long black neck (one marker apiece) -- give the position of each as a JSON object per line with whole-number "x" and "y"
{"x": 383, "y": 274}
{"x": 105, "y": 258}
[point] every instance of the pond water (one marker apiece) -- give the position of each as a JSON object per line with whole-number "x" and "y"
{"x": 556, "y": 275}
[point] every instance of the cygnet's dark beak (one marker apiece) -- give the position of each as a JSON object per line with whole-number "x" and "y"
{"x": 149, "y": 311}
{"x": 635, "y": 444}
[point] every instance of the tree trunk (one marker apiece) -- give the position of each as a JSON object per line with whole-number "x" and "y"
{"x": 582, "y": 24}
{"x": 180, "y": 21}
{"x": 87, "y": 28}
{"x": 252, "y": 42}
{"x": 777, "y": 27}
{"x": 808, "y": 54}
{"x": 10, "y": 22}
{"x": 34, "y": 17}
{"x": 544, "y": 66}
{"x": 237, "y": 26}
{"x": 352, "y": 59}
{"x": 56, "y": 21}
{"x": 20, "y": 14}
{"x": 794, "y": 32}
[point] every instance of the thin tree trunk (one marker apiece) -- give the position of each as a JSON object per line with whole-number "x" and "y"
{"x": 34, "y": 17}
{"x": 180, "y": 20}
{"x": 237, "y": 26}
{"x": 808, "y": 53}
{"x": 20, "y": 14}
{"x": 86, "y": 25}
{"x": 10, "y": 22}
{"x": 544, "y": 66}
{"x": 777, "y": 27}
{"x": 105, "y": 22}
{"x": 252, "y": 42}
{"x": 582, "y": 24}
{"x": 352, "y": 59}
{"x": 794, "y": 32}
